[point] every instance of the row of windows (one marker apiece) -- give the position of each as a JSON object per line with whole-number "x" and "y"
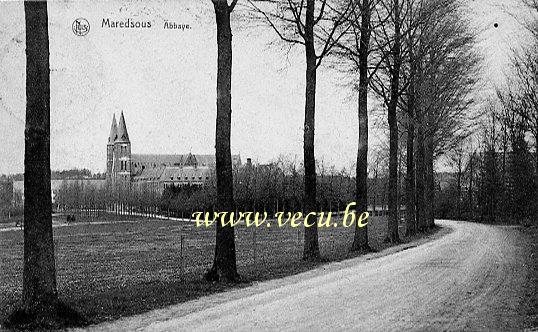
{"x": 166, "y": 185}
{"x": 200, "y": 178}
{"x": 187, "y": 178}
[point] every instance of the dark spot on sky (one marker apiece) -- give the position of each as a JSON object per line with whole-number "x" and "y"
{"x": 496, "y": 24}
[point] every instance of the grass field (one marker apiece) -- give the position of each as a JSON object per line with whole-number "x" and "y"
{"x": 106, "y": 271}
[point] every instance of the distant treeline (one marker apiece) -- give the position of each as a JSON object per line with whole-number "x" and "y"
{"x": 63, "y": 175}
{"x": 269, "y": 187}
{"x": 498, "y": 181}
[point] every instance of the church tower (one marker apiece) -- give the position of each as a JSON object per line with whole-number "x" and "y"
{"x": 122, "y": 153}
{"x": 110, "y": 149}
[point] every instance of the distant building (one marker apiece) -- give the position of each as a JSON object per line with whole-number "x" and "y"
{"x": 155, "y": 170}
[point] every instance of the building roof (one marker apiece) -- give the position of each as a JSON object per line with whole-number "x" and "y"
{"x": 113, "y": 131}
{"x": 185, "y": 173}
{"x": 158, "y": 159}
{"x": 149, "y": 174}
{"x": 123, "y": 136}
{"x": 155, "y": 160}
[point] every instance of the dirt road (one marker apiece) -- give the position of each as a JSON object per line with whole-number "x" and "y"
{"x": 474, "y": 278}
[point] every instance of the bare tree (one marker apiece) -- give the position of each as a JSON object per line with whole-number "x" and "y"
{"x": 457, "y": 159}
{"x": 355, "y": 47}
{"x": 517, "y": 120}
{"x": 411, "y": 222}
{"x": 446, "y": 74}
{"x": 386, "y": 83}
{"x": 317, "y": 26}
{"x": 427, "y": 74}
{"x": 39, "y": 287}
{"x": 41, "y": 308}
{"x": 524, "y": 102}
{"x": 519, "y": 99}
{"x": 224, "y": 264}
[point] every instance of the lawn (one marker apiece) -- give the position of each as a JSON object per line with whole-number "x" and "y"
{"x": 106, "y": 271}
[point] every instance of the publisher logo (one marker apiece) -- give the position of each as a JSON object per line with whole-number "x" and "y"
{"x": 81, "y": 27}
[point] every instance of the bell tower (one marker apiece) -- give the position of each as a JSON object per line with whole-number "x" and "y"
{"x": 110, "y": 149}
{"x": 122, "y": 153}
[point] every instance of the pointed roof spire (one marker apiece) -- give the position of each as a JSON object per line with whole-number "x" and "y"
{"x": 190, "y": 160}
{"x": 113, "y": 131}
{"x": 123, "y": 136}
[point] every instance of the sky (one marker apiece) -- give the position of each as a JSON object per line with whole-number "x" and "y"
{"x": 164, "y": 81}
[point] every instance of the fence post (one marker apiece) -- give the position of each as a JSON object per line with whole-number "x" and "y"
{"x": 181, "y": 257}
{"x": 299, "y": 241}
{"x": 254, "y": 246}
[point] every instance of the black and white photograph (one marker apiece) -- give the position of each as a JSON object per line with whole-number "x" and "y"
{"x": 269, "y": 165}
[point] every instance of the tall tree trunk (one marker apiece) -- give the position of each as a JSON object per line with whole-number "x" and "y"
{"x": 311, "y": 245}
{"x": 224, "y": 264}
{"x": 534, "y": 207}
{"x": 392, "y": 233}
{"x": 470, "y": 190}
{"x": 420, "y": 174}
{"x": 411, "y": 223}
{"x": 460, "y": 171}
{"x": 39, "y": 290}
{"x": 429, "y": 189}
{"x": 360, "y": 240}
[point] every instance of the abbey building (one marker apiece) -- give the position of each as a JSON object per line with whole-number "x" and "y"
{"x": 157, "y": 171}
